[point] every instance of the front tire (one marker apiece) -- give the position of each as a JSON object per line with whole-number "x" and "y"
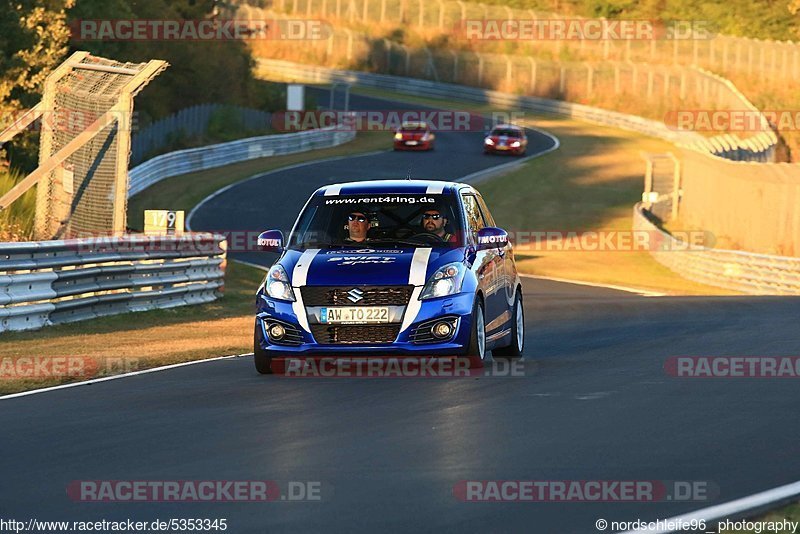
{"x": 476, "y": 352}
{"x": 261, "y": 357}
{"x": 514, "y": 350}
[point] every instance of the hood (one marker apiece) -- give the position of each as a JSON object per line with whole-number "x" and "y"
{"x": 383, "y": 266}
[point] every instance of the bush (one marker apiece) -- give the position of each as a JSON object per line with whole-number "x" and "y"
{"x": 16, "y": 222}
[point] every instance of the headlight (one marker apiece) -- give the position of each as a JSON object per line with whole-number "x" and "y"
{"x": 445, "y": 281}
{"x": 277, "y": 284}
{"x": 515, "y": 144}
{"x": 398, "y": 136}
{"x": 488, "y": 141}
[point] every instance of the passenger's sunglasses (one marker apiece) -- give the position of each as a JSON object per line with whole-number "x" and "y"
{"x": 359, "y": 218}
{"x": 434, "y": 216}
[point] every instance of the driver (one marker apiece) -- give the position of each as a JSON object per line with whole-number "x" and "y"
{"x": 434, "y": 221}
{"x": 357, "y": 226}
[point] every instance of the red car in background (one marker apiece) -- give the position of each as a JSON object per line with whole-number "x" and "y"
{"x": 414, "y": 136}
{"x": 506, "y": 139}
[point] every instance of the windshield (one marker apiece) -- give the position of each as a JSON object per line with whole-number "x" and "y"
{"x": 413, "y": 127}
{"x": 359, "y": 220}
{"x": 508, "y": 132}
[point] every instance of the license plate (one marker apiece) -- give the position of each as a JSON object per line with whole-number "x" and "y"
{"x": 412, "y": 143}
{"x": 355, "y": 315}
{"x": 502, "y": 147}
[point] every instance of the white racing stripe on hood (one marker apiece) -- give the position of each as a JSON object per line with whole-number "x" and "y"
{"x": 416, "y": 277}
{"x": 299, "y": 277}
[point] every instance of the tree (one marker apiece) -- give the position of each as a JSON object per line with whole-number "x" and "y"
{"x": 33, "y": 40}
{"x": 200, "y": 72}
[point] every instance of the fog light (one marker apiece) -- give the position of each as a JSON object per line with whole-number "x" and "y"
{"x": 276, "y": 331}
{"x": 442, "y": 329}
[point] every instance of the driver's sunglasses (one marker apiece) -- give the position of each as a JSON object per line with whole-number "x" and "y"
{"x": 434, "y": 216}
{"x": 354, "y": 217}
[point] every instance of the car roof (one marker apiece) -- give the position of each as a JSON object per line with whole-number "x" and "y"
{"x": 506, "y": 127}
{"x": 379, "y": 187}
{"x": 414, "y": 124}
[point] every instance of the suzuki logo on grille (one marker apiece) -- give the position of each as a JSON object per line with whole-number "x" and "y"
{"x": 354, "y": 295}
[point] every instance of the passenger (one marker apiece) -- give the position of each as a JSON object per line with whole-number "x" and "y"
{"x": 357, "y": 226}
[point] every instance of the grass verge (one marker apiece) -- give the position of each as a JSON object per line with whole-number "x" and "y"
{"x": 135, "y": 341}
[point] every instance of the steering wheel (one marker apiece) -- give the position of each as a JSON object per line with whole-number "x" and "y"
{"x": 429, "y": 236}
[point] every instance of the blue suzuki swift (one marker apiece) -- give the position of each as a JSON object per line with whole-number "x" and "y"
{"x": 403, "y": 268}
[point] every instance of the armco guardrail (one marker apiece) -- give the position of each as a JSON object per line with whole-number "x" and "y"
{"x": 208, "y": 157}
{"x": 50, "y": 282}
{"x": 760, "y": 274}
{"x": 751, "y": 150}
{"x": 191, "y": 122}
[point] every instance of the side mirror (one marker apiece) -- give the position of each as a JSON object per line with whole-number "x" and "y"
{"x": 270, "y": 241}
{"x": 491, "y": 237}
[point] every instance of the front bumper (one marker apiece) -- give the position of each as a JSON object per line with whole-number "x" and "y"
{"x": 421, "y": 145}
{"x": 495, "y": 149}
{"x": 457, "y": 307}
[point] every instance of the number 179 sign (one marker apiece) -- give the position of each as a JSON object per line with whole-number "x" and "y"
{"x": 162, "y": 222}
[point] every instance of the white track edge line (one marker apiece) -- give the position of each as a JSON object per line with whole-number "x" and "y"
{"x": 251, "y": 264}
{"x": 730, "y": 509}
{"x": 117, "y": 377}
{"x": 640, "y": 292}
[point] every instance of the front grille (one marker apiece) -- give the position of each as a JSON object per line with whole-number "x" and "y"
{"x": 371, "y": 295}
{"x": 354, "y": 334}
